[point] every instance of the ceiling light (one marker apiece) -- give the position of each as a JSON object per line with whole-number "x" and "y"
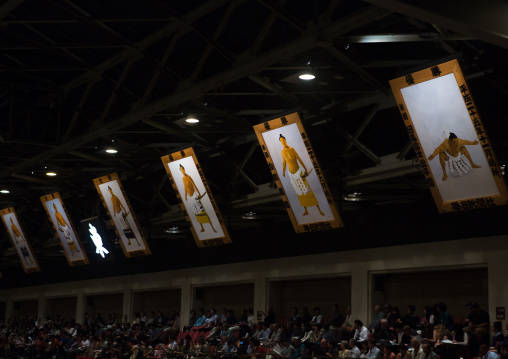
{"x": 51, "y": 174}
{"x": 111, "y": 150}
{"x": 5, "y": 191}
{"x": 306, "y": 75}
{"x": 191, "y": 119}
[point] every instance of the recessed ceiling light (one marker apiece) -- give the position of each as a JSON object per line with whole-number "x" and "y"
{"x": 5, "y": 191}
{"x": 191, "y": 119}
{"x": 111, "y": 150}
{"x": 51, "y": 174}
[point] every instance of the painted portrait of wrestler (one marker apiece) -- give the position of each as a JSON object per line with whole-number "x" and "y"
{"x": 195, "y": 198}
{"x": 122, "y": 216}
{"x": 68, "y": 238}
{"x": 448, "y": 139}
{"x": 20, "y": 241}
{"x": 296, "y": 172}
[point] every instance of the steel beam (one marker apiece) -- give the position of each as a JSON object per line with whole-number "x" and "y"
{"x": 483, "y": 20}
{"x": 245, "y": 64}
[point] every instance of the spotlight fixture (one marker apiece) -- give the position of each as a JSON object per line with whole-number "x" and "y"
{"x": 4, "y": 191}
{"x": 192, "y": 119}
{"x": 51, "y": 174}
{"x": 250, "y": 215}
{"x": 307, "y": 74}
{"x": 111, "y": 148}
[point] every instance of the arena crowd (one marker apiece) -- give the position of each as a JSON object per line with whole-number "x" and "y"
{"x": 436, "y": 334}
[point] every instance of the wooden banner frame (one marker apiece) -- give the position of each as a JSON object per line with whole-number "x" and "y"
{"x": 470, "y": 201}
{"x": 318, "y": 185}
{"x": 12, "y": 214}
{"x": 142, "y": 248}
{"x": 72, "y": 248}
{"x": 199, "y": 180}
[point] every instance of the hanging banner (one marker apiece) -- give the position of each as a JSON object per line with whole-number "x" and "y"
{"x": 195, "y": 198}
{"x": 297, "y": 174}
{"x": 120, "y": 211}
{"x": 18, "y": 237}
{"x": 65, "y": 230}
{"x": 449, "y": 140}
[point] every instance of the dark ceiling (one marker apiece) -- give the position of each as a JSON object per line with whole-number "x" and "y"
{"x": 76, "y": 75}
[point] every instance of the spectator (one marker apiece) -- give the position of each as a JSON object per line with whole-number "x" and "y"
{"x": 383, "y": 332}
{"x": 317, "y": 318}
{"x": 444, "y": 317}
{"x": 269, "y": 317}
{"x": 411, "y": 319}
{"x": 336, "y": 319}
{"x": 374, "y": 352}
{"x": 306, "y": 317}
{"x": 498, "y": 337}
{"x": 427, "y": 352}
{"x": 478, "y": 323}
{"x": 401, "y": 337}
{"x": 354, "y": 350}
{"x": 378, "y": 315}
{"x": 287, "y": 349}
{"x": 485, "y": 353}
{"x": 361, "y": 332}
{"x": 300, "y": 350}
{"x": 344, "y": 351}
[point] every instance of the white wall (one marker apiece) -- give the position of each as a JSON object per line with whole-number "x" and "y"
{"x": 360, "y": 265}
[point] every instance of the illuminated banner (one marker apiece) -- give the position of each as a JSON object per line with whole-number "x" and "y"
{"x": 296, "y": 172}
{"x": 100, "y": 246}
{"x": 126, "y": 225}
{"x": 196, "y": 199}
{"x": 62, "y": 225}
{"x": 449, "y": 140}
{"x": 18, "y": 237}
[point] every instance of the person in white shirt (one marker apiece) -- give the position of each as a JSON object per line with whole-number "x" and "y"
{"x": 317, "y": 318}
{"x": 354, "y": 351}
{"x": 374, "y": 351}
{"x": 361, "y": 332}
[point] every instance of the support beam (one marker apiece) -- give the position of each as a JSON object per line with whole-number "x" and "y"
{"x": 362, "y": 126}
{"x": 106, "y": 162}
{"x": 246, "y": 64}
{"x": 483, "y": 20}
{"x": 276, "y": 88}
{"x": 390, "y": 167}
{"x": 357, "y": 144}
{"x": 117, "y": 88}
{"x": 265, "y": 29}
{"x": 8, "y": 7}
{"x": 214, "y": 38}
{"x": 157, "y": 72}
{"x": 75, "y": 116}
{"x": 136, "y": 51}
{"x": 188, "y": 136}
{"x": 332, "y": 50}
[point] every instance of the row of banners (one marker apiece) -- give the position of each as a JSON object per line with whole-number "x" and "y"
{"x": 442, "y": 122}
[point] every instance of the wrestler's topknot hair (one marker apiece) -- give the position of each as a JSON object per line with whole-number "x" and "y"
{"x": 452, "y": 136}
{"x": 281, "y": 137}
{"x": 182, "y": 167}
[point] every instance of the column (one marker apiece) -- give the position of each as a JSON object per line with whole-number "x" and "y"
{"x": 185, "y": 302}
{"x": 9, "y": 309}
{"x": 80, "y": 307}
{"x": 260, "y": 294}
{"x": 41, "y": 309}
{"x": 498, "y": 290}
{"x": 127, "y": 306}
{"x": 360, "y": 292}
